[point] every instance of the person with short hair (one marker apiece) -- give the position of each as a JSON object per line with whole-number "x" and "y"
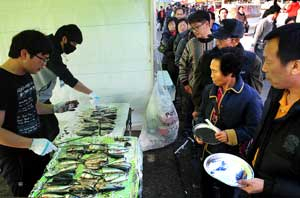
{"x": 213, "y": 26}
{"x": 20, "y": 130}
{"x": 179, "y": 13}
{"x": 223, "y": 12}
{"x": 228, "y": 35}
{"x": 275, "y": 152}
{"x": 241, "y": 16}
{"x": 161, "y": 15}
{"x": 232, "y": 106}
{"x": 65, "y": 41}
{"x": 263, "y": 27}
{"x": 182, "y": 27}
{"x": 194, "y": 49}
{"x": 167, "y": 41}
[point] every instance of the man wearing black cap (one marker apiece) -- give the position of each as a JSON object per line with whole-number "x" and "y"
{"x": 275, "y": 152}
{"x": 65, "y": 40}
{"x": 228, "y": 35}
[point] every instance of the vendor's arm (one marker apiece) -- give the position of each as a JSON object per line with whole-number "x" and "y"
{"x": 64, "y": 74}
{"x": 82, "y": 88}
{"x": 8, "y": 138}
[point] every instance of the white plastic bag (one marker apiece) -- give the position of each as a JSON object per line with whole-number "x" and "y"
{"x": 161, "y": 125}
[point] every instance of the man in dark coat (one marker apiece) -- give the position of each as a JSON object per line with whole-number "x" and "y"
{"x": 275, "y": 153}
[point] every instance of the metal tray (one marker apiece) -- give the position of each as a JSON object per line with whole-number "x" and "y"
{"x": 206, "y": 133}
{"x": 228, "y": 168}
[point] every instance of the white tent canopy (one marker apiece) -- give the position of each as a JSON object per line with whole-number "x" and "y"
{"x": 115, "y": 58}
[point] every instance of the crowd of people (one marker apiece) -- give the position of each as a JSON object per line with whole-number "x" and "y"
{"x": 215, "y": 76}
{"x": 219, "y": 80}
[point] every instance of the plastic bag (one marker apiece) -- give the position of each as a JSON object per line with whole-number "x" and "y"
{"x": 161, "y": 125}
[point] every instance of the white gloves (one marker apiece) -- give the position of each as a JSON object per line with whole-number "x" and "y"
{"x": 42, "y": 146}
{"x": 94, "y": 99}
{"x": 65, "y": 106}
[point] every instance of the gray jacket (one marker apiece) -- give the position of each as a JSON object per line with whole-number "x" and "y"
{"x": 263, "y": 27}
{"x": 189, "y": 60}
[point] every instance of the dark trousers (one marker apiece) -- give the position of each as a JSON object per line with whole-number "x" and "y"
{"x": 168, "y": 64}
{"x": 161, "y": 24}
{"x": 187, "y": 110}
{"x": 22, "y": 170}
{"x": 49, "y": 125}
{"x": 212, "y": 188}
{"x": 196, "y": 163}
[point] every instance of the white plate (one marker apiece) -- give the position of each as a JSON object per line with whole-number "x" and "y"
{"x": 228, "y": 168}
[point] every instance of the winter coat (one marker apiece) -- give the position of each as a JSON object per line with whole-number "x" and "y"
{"x": 189, "y": 60}
{"x": 239, "y": 114}
{"x": 250, "y": 72}
{"x": 278, "y": 140}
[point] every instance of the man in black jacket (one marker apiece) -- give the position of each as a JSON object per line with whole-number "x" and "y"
{"x": 275, "y": 152}
{"x": 65, "y": 41}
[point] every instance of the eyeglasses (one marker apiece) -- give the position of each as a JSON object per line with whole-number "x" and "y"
{"x": 45, "y": 60}
{"x": 197, "y": 28}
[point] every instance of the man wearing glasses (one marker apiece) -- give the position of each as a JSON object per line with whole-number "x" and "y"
{"x": 65, "y": 40}
{"x": 194, "y": 49}
{"x": 19, "y": 109}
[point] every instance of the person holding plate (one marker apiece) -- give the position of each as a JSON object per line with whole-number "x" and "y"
{"x": 232, "y": 106}
{"x": 275, "y": 152}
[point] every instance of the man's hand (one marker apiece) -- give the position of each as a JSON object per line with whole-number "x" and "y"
{"x": 94, "y": 99}
{"x": 65, "y": 106}
{"x": 198, "y": 140}
{"x": 42, "y": 146}
{"x": 252, "y": 48}
{"x": 188, "y": 89}
{"x": 221, "y": 136}
{"x": 252, "y": 186}
{"x": 195, "y": 115}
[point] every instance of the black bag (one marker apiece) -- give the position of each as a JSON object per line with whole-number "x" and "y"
{"x": 162, "y": 47}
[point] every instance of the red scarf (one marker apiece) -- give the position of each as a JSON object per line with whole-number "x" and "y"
{"x": 214, "y": 115}
{"x": 173, "y": 33}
